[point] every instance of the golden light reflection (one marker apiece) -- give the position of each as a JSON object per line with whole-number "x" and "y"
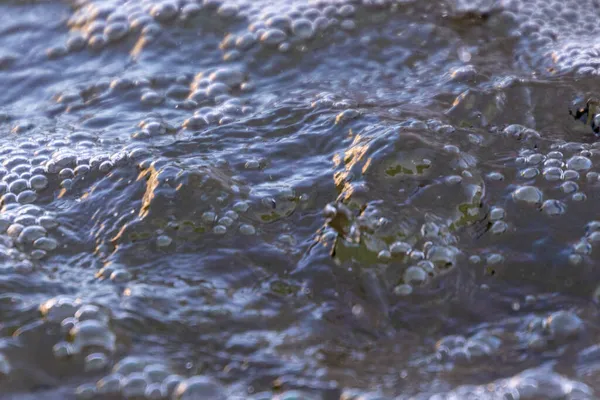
{"x": 353, "y": 156}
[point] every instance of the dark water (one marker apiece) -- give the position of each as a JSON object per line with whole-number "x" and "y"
{"x": 376, "y": 199}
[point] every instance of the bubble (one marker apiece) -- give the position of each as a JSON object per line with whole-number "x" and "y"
{"x": 154, "y": 392}
{"x": 579, "y": 163}
{"x": 92, "y": 333}
{"x": 570, "y": 175}
{"x": 120, "y": 276}
{"x": 219, "y": 230}
{"x": 415, "y": 275}
{"x": 62, "y": 350}
{"x": 498, "y": 227}
{"x": 5, "y": 367}
{"x": 400, "y": 248}
{"x": 247, "y": 229}
{"x": 579, "y": 196}
{"x": 528, "y": 194}
{"x": 553, "y": 174}
{"x": 564, "y": 324}
{"x": 569, "y": 187}
{"x": 155, "y": 373}
{"x": 170, "y": 383}
{"x": 554, "y": 207}
{"x": 59, "y": 308}
{"x": 85, "y": 392}
{"x": 47, "y": 222}
{"x": 30, "y": 234}
{"x": 163, "y": 241}
{"x": 199, "y": 387}
{"x": 497, "y": 213}
{"x": 110, "y": 384}
{"x": 582, "y": 247}
{"x": 494, "y": 259}
{"x": 134, "y": 385}
{"x": 384, "y": 256}
{"x": 17, "y": 186}
{"x": 95, "y": 362}
{"x": 302, "y": 28}
{"x": 495, "y": 176}
{"x": 346, "y": 115}
{"x": 529, "y": 173}
{"x": 90, "y": 311}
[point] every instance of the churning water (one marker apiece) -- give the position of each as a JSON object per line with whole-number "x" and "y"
{"x": 298, "y": 199}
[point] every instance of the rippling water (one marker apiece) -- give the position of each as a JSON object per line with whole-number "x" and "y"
{"x": 298, "y": 199}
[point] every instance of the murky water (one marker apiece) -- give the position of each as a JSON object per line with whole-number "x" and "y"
{"x": 297, "y": 199}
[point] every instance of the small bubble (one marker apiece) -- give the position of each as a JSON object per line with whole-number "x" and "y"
{"x": 85, "y": 392}
{"x": 219, "y": 230}
{"x": 163, "y": 241}
{"x": 247, "y": 229}
{"x": 498, "y": 227}
{"x": 579, "y": 196}
{"x": 403, "y": 290}
{"x": 95, "y": 362}
{"x": 554, "y": 207}
{"x": 528, "y": 194}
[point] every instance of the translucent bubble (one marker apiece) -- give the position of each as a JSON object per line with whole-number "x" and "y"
{"x": 45, "y": 243}
{"x": 170, "y": 384}
{"x": 582, "y": 247}
{"x": 443, "y": 256}
{"x": 400, "y": 248}
{"x": 5, "y": 367}
{"x": 199, "y": 387}
{"x": 474, "y": 259}
{"x": 90, "y": 311}
{"x": 579, "y": 196}
{"x": 59, "y": 308}
{"x": 92, "y": 333}
{"x": 163, "y": 241}
{"x": 579, "y": 163}
{"x": 569, "y": 187}
{"x": 497, "y": 213}
{"x": 120, "y": 276}
{"x": 570, "y": 175}
{"x": 85, "y": 392}
{"x": 156, "y": 373}
{"x": 110, "y": 384}
{"x": 494, "y": 258}
{"x": 154, "y": 392}
{"x": 498, "y": 227}
{"x": 29, "y": 234}
{"x": 528, "y": 194}
{"x": 534, "y": 159}
{"x": 134, "y": 385}
{"x": 346, "y": 115}
{"x": 62, "y": 350}
{"x": 302, "y": 28}
{"x": 384, "y": 256}
{"x": 219, "y": 230}
{"x": 129, "y": 365}
{"x": 415, "y": 275}
{"x": 209, "y": 217}
{"x": 95, "y": 362}
{"x": 554, "y": 207}
{"x": 453, "y": 180}
{"x": 245, "y": 41}
{"x": 575, "y": 259}
{"x": 564, "y": 324}
{"x": 247, "y": 229}
{"x": 553, "y": 173}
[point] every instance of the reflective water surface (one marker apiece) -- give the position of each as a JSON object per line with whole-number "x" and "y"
{"x": 298, "y": 199}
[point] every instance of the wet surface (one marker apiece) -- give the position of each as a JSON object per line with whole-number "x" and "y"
{"x": 299, "y": 200}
